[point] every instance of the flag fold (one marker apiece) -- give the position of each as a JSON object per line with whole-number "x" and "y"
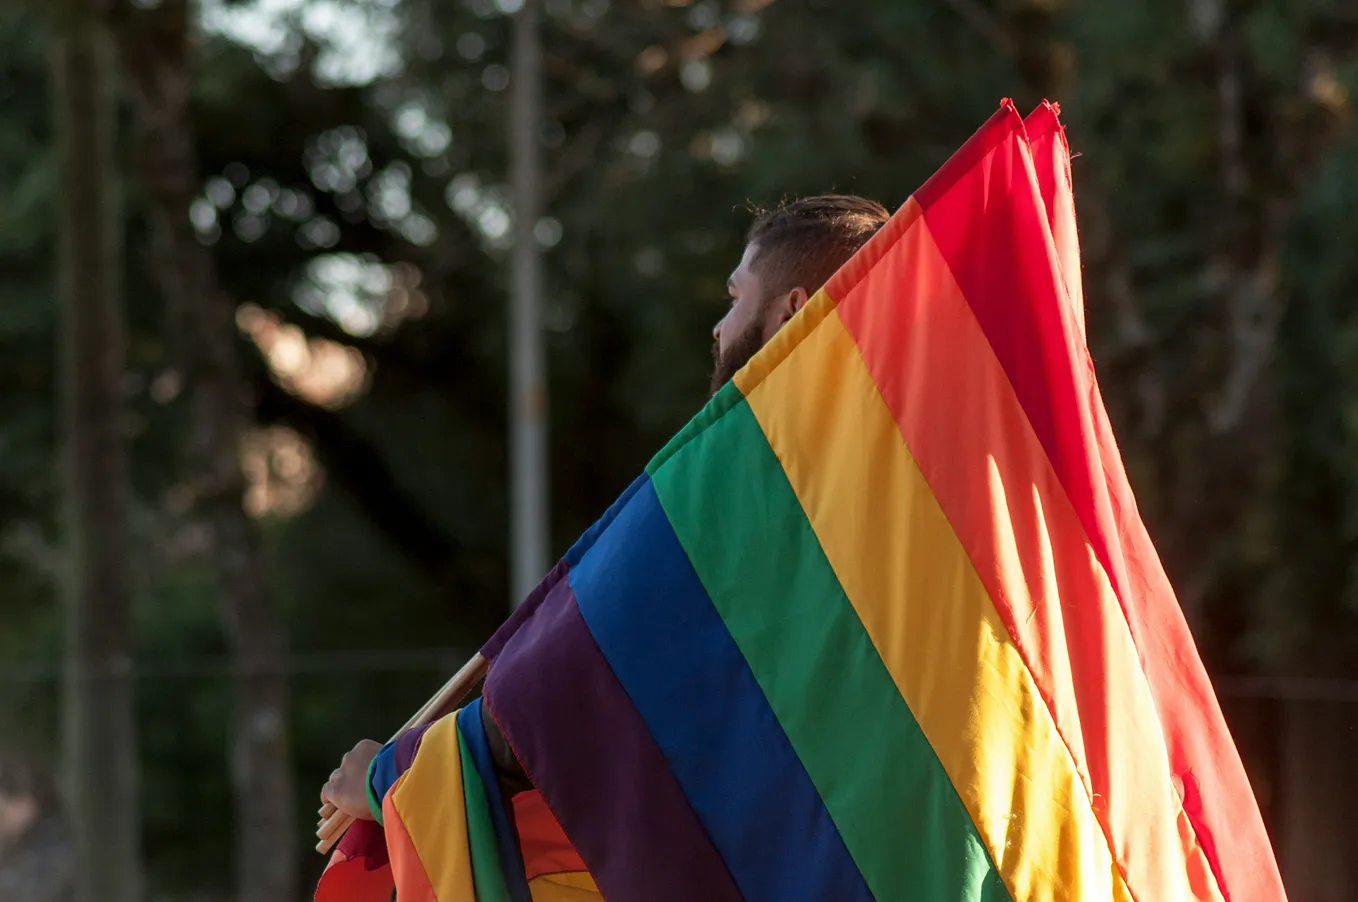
{"x": 448, "y": 834}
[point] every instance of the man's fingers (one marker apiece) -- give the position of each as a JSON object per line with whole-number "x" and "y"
{"x": 346, "y": 779}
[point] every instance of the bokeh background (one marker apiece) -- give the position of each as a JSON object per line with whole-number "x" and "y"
{"x": 307, "y": 223}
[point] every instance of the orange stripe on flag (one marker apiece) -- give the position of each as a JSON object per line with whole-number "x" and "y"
{"x": 546, "y": 850}
{"x": 425, "y": 816}
{"x": 412, "y": 883}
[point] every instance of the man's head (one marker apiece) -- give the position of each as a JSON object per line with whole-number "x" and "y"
{"x": 790, "y": 253}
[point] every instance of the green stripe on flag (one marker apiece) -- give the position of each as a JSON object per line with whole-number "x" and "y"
{"x": 749, "y": 540}
{"x": 726, "y": 398}
{"x": 487, "y": 877}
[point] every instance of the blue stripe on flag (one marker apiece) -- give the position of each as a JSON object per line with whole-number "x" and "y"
{"x": 668, "y": 646}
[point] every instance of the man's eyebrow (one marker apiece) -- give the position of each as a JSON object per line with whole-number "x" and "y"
{"x": 731, "y": 284}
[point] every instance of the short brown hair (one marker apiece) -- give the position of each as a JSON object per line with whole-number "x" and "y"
{"x": 802, "y": 243}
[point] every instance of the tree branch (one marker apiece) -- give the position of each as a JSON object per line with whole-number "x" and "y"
{"x": 986, "y": 24}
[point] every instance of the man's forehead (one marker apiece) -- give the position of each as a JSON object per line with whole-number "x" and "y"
{"x": 744, "y": 271}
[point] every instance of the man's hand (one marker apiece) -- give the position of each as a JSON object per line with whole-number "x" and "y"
{"x": 347, "y": 788}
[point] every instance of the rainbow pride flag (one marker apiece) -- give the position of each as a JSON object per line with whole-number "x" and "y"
{"x": 882, "y": 622}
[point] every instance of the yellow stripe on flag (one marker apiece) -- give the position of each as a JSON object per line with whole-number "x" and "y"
{"x": 929, "y": 616}
{"x": 426, "y": 823}
{"x": 569, "y": 886}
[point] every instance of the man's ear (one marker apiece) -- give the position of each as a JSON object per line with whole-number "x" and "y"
{"x": 796, "y": 299}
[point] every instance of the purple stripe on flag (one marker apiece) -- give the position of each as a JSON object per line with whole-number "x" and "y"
{"x": 407, "y": 744}
{"x": 524, "y": 611}
{"x": 530, "y": 604}
{"x": 587, "y": 749}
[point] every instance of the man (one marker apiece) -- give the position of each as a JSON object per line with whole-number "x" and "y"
{"x": 790, "y": 252}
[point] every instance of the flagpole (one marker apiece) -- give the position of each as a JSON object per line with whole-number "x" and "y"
{"x": 528, "y": 378}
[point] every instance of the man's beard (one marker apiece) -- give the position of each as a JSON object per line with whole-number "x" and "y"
{"x": 746, "y": 345}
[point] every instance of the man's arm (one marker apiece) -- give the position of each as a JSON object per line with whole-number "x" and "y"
{"x": 512, "y": 778}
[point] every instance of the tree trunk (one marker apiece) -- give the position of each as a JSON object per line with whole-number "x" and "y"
{"x": 155, "y": 57}
{"x": 1318, "y": 849}
{"x": 99, "y": 734}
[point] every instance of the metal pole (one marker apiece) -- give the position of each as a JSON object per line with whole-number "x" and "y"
{"x": 528, "y": 377}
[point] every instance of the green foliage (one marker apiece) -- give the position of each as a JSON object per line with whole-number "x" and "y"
{"x": 655, "y": 147}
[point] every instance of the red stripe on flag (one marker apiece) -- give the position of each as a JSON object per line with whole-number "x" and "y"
{"x": 1037, "y": 345}
{"x": 1051, "y": 160}
{"x": 358, "y": 870}
{"x": 1216, "y": 792}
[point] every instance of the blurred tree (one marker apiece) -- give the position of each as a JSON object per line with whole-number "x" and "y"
{"x": 1190, "y": 288}
{"x": 99, "y": 735}
{"x": 154, "y": 50}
